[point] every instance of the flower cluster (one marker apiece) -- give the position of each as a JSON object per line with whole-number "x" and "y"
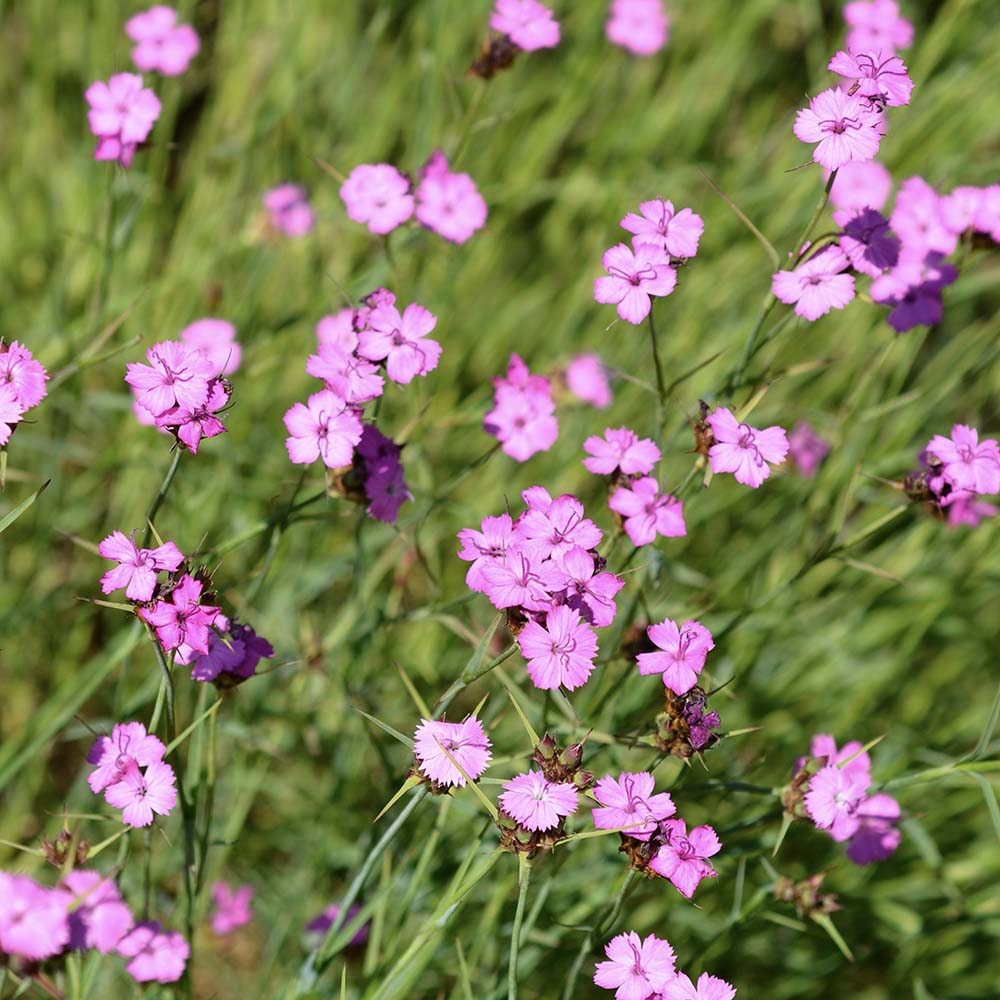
{"x": 444, "y": 750}
{"x": 22, "y": 386}
{"x": 638, "y": 26}
{"x": 523, "y": 417}
{"x": 674, "y": 853}
{"x": 444, "y": 201}
{"x": 161, "y": 44}
{"x": 645, "y": 270}
{"x": 289, "y": 211}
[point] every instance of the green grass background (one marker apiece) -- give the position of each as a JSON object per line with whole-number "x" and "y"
{"x": 899, "y": 642}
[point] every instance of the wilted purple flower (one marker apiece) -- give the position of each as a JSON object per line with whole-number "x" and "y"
{"x": 876, "y": 836}
{"x": 866, "y": 240}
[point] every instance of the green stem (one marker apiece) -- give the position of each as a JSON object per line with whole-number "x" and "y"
{"x": 147, "y": 866}
{"x": 206, "y": 829}
{"x": 523, "y": 878}
{"x": 811, "y": 224}
{"x": 463, "y": 682}
{"x": 661, "y": 386}
{"x": 161, "y": 496}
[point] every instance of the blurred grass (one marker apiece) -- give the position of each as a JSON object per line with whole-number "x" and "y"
{"x": 561, "y": 146}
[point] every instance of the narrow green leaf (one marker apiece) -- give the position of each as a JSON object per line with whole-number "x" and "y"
{"x": 11, "y": 516}
{"x": 477, "y": 791}
{"x": 787, "y": 819}
{"x": 385, "y": 727}
{"x": 509, "y": 685}
{"x": 181, "y": 737}
{"x": 425, "y": 712}
{"x": 762, "y": 239}
{"x": 403, "y": 789}
{"x": 823, "y": 919}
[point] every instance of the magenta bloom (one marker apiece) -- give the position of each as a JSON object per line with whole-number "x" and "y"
{"x": 129, "y": 744}
{"x": 885, "y": 79}
{"x": 845, "y": 128}
{"x": 527, "y": 23}
{"x": 324, "y": 427}
{"x": 562, "y": 652}
{"x": 139, "y": 794}
{"x": 401, "y": 341}
{"x": 833, "y": 798}
{"x": 682, "y": 859}
{"x": 634, "y": 276}
{"x": 338, "y": 329}
{"x": 517, "y": 581}
{"x": 647, "y": 512}
{"x": 817, "y": 286}
{"x": 628, "y": 801}
{"x": 355, "y": 380}
{"x": 637, "y": 969}
{"x": 967, "y": 510}
{"x": 638, "y": 26}
{"x": 377, "y": 195}
{"x": 232, "y": 909}
{"x": 861, "y": 185}
{"x": 677, "y": 235}
{"x": 876, "y": 836}
{"x": 587, "y": 379}
{"x": 560, "y": 527}
{"x": 449, "y": 203}
{"x": 288, "y": 210}
{"x": 467, "y": 743}
{"x": 961, "y": 208}
{"x": 875, "y": 26}
{"x": 11, "y": 412}
{"x": 176, "y": 376}
{"x": 191, "y": 426}
{"x": 620, "y": 450}
{"x": 867, "y": 242}
{"x": 99, "y": 919}
{"x": 181, "y": 620}
{"x": 122, "y": 113}
{"x": 538, "y": 804}
{"x": 743, "y": 450}
{"x": 161, "y": 43}
{"x": 913, "y": 288}
{"x": 708, "y": 988}
{"x": 806, "y": 449}
{"x": 918, "y": 219}
{"x": 33, "y": 920}
{"x": 156, "y": 955}
{"x": 235, "y": 657}
{"x": 386, "y": 489}
{"x": 851, "y": 758}
{"x": 321, "y": 923}
{"x": 587, "y": 591}
{"x": 523, "y": 415}
{"x": 970, "y": 465}
{"x": 215, "y": 338}
{"x": 485, "y": 546}
{"x": 22, "y": 375}
{"x": 137, "y": 568}
{"x": 684, "y": 651}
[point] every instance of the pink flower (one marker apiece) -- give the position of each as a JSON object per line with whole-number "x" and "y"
{"x": 11, "y": 411}
{"x": 620, "y": 450}
{"x": 288, "y": 209}
{"x": 876, "y": 836}
{"x": 137, "y": 568}
{"x": 647, "y": 512}
{"x": 355, "y": 380}
{"x": 401, "y": 341}
{"x": 156, "y": 955}
{"x": 743, "y": 450}
{"x": 561, "y": 653}
{"x": 527, "y": 23}
{"x": 918, "y": 219}
{"x": 861, "y": 185}
{"x": 560, "y": 527}
{"x": 33, "y": 920}
{"x": 817, "y": 286}
{"x": 467, "y": 743}
{"x": 234, "y": 659}
{"x": 122, "y": 113}
{"x": 966, "y": 510}
{"x": 538, "y": 804}
{"x": 634, "y": 276}
{"x": 884, "y": 79}
{"x": 844, "y": 127}
{"x": 485, "y": 546}
{"x": 639, "y": 26}
{"x": 378, "y": 195}
{"x": 658, "y": 226}
{"x": 867, "y": 242}
{"x": 129, "y": 744}
{"x": 181, "y": 620}
{"x": 876, "y": 27}
{"x": 682, "y": 859}
{"x": 22, "y": 374}
{"x": 628, "y": 801}
{"x": 851, "y": 757}
{"x": 708, "y": 988}
{"x": 232, "y": 909}
{"x": 517, "y": 581}
{"x": 324, "y": 427}
{"x": 162, "y": 43}
{"x": 587, "y": 379}
{"x": 139, "y": 794}
{"x": 99, "y": 918}
{"x": 216, "y": 339}
{"x": 913, "y": 288}
{"x": 177, "y": 375}
{"x": 960, "y": 209}
{"x": 338, "y": 329}
{"x": 523, "y": 415}
{"x": 585, "y": 590}
{"x": 969, "y": 464}
{"x": 191, "y": 426}
{"x": 449, "y": 203}
{"x": 637, "y": 969}
{"x": 684, "y": 651}
{"x": 833, "y": 798}
{"x": 806, "y": 449}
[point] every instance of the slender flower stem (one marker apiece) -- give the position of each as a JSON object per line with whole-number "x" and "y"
{"x": 523, "y": 878}
{"x": 800, "y": 244}
{"x": 206, "y": 828}
{"x": 147, "y": 866}
{"x": 161, "y": 496}
{"x": 661, "y": 386}
{"x": 463, "y": 682}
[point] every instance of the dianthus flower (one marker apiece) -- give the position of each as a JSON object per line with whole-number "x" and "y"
{"x": 99, "y": 918}
{"x": 647, "y": 513}
{"x": 467, "y": 743}
{"x": 181, "y": 620}
{"x": 913, "y": 288}
{"x": 684, "y": 649}
{"x": 527, "y": 23}
{"x": 288, "y": 209}
{"x": 338, "y": 329}
{"x": 139, "y": 794}
{"x": 833, "y": 798}
{"x": 324, "y": 427}
{"x": 33, "y": 920}
{"x": 482, "y": 547}
{"x": 845, "y": 128}
{"x": 355, "y": 380}
{"x": 561, "y": 653}
{"x": 884, "y": 79}
{"x": 960, "y": 208}
{"x": 232, "y": 908}
{"x": 867, "y": 242}
{"x": 620, "y": 450}
{"x": 638, "y": 26}
{"x": 377, "y": 195}
{"x": 322, "y": 922}
{"x": 918, "y": 220}
{"x": 401, "y": 341}
{"x": 637, "y": 969}
{"x": 967, "y": 510}
{"x": 634, "y": 276}
{"x": 628, "y": 801}
{"x": 176, "y": 376}
{"x": 970, "y": 465}
{"x": 560, "y": 527}
{"x": 708, "y": 988}
{"x": 817, "y": 286}
{"x": 861, "y": 185}
{"x": 517, "y": 581}
{"x": 536, "y": 803}
{"x": 229, "y": 660}
{"x": 987, "y": 219}
{"x": 161, "y": 43}
{"x": 22, "y": 374}
{"x": 851, "y": 757}
{"x": 128, "y": 744}
{"x": 216, "y": 338}
{"x": 806, "y": 449}
{"x": 743, "y": 450}
{"x": 191, "y": 425}
{"x": 682, "y": 859}
{"x": 875, "y": 26}
{"x": 122, "y": 113}
{"x": 876, "y": 836}
{"x": 676, "y": 234}
{"x": 523, "y": 415}
{"x": 587, "y": 379}
{"x": 155, "y": 955}
{"x": 11, "y": 412}
{"x": 449, "y": 203}
{"x": 137, "y": 568}
{"x": 585, "y": 590}
{"x": 384, "y": 482}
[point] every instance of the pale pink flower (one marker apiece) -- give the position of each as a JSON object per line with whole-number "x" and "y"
{"x": 22, "y": 374}
{"x": 647, "y": 512}
{"x": 467, "y": 743}
{"x": 585, "y": 590}
{"x": 987, "y": 218}
{"x": 216, "y": 338}
{"x": 485, "y": 546}
{"x": 845, "y": 128}
{"x": 377, "y": 195}
{"x": 620, "y": 450}
{"x": 338, "y": 329}
{"x": 33, "y": 920}
{"x": 561, "y": 653}
{"x": 560, "y": 527}
{"x": 288, "y": 209}
{"x": 833, "y": 798}
{"x": 861, "y": 185}
{"x": 232, "y": 908}
{"x": 684, "y": 649}
{"x": 959, "y": 209}
{"x": 634, "y": 276}
{"x": 806, "y": 449}
{"x": 587, "y": 379}
{"x": 744, "y": 450}
{"x": 140, "y": 794}
{"x": 970, "y": 465}
{"x": 708, "y": 988}
{"x": 401, "y": 341}
{"x": 517, "y": 581}
{"x": 324, "y": 427}
{"x": 11, "y": 412}
{"x": 181, "y": 620}
{"x": 155, "y": 955}
{"x": 884, "y": 78}
{"x": 816, "y": 286}
{"x": 121, "y": 115}
{"x": 98, "y": 918}
{"x": 918, "y": 219}
{"x": 628, "y": 802}
{"x": 128, "y": 744}
{"x": 523, "y": 415}
{"x": 538, "y": 804}
{"x": 636, "y": 969}
{"x": 176, "y": 376}
{"x": 355, "y": 380}
{"x": 683, "y": 858}
{"x": 161, "y": 43}
{"x": 875, "y": 26}
{"x": 876, "y": 836}
{"x": 638, "y": 26}
{"x": 676, "y": 234}
{"x": 449, "y": 203}
{"x": 527, "y": 23}
{"x": 137, "y": 568}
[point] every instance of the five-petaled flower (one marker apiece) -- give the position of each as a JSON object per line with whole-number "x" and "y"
{"x": 181, "y": 620}
{"x": 675, "y": 233}
{"x": 633, "y": 276}
{"x": 637, "y": 969}
{"x": 743, "y": 450}
{"x": 682, "y": 859}
{"x": 647, "y": 512}
{"x": 628, "y": 804}
{"x": 845, "y": 127}
{"x": 682, "y": 656}
{"x": 137, "y": 568}
{"x": 816, "y": 286}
